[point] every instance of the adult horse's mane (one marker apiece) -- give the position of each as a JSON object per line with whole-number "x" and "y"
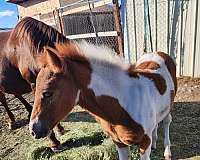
{"x": 35, "y": 34}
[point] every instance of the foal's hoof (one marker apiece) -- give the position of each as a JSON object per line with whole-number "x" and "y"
{"x": 168, "y": 157}
{"x": 57, "y": 149}
{"x": 153, "y": 147}
{"x": 12, "y": 125}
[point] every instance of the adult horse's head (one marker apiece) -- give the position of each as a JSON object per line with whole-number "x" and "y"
{"x": 65, "y": 71}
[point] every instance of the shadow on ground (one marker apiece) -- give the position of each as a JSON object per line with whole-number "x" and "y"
{"x": 184, "y": 131}
{"x": 96, "y": 139}
{"x": 20, "y": 123}
{"x": 81, "y": 116}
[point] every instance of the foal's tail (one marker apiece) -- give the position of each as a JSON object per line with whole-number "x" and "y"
{"x": 171, "y": 66}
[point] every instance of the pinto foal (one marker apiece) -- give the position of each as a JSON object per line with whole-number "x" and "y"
{"x": 128, "y": 101}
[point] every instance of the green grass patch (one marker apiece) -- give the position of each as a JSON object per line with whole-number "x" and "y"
{"x": 84, "y": 141}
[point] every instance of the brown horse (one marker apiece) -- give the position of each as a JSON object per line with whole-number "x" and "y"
{"x": 18, "y": 68}
{"x": 127, "y": 101}
{"x": 11, "y": 82}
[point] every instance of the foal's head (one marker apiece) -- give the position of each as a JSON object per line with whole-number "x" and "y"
{"x": 56, "y": 92}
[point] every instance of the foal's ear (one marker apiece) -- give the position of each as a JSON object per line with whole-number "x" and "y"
{"x": 53, "y": 60}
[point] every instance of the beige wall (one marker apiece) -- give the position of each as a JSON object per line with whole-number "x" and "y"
{"x": 66, "y": 2}
{"x": 34, "y": 8}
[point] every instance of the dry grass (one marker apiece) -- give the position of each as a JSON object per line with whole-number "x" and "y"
{"x": 86, "y": 141}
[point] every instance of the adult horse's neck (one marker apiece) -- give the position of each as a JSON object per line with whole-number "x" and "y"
{"x": 26, "y": 43}
{"x": 3, "y": 40}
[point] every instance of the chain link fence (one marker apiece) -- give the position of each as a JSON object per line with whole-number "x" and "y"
{"x": 95, "y": 24}
{"x": 92, "y": 20}
{"x": 79, "y": 26}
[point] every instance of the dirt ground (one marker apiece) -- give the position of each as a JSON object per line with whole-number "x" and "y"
{"x": 184, "y": 130}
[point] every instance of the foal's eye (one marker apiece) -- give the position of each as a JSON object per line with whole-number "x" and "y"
{"x": 47, "y": 94}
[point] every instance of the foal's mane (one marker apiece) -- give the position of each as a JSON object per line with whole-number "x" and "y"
{"x": 36, "y": 35}
{"x": 98, "y": 55}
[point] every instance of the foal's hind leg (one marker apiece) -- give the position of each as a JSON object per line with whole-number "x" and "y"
{"x": 146, "y": 154}
{"x": 154, "y": 137}
{"x": 26, "y": 104}
{"x": 166, "y": 123}
{"x": 11, "y": 122}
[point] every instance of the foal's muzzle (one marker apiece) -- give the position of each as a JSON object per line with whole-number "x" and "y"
{"x": 37, "y": 129}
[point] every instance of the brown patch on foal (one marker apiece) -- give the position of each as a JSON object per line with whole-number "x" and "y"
{"x": 148, "y": 65}
{"x": 77, "y": 64}
{"x": 114, "y": 119}
{"x": 171, "y": 66}
{"x": 157, "y": 79}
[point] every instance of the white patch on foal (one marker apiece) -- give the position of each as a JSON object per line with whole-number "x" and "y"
{"x": 123, "y": 153}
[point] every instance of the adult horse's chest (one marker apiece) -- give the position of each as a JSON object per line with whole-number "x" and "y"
{"x": 11, "y": 80}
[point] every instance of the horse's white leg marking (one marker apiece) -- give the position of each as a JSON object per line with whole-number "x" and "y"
{"x": 146, "y": 155}
{"x": 123, "y": 153}
{"x": 166, "y": 123}
{"x": 154, "y": 137}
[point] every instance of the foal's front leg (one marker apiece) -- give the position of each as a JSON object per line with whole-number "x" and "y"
{"x": 146, "y": 155}
{"x": 123, "y": 153}
{"x": 166, "y": 123}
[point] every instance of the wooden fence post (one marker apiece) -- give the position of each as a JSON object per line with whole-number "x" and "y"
{"x": 58, "y": 20}
{"x": 118, "y": 27}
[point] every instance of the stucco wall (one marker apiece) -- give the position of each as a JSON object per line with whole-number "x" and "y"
{"x": 36, "y": 8}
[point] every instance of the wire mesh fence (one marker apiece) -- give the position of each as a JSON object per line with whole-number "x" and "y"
{"x": 91, "y": 20}
{"x": 79, "y": 26}
{"x": 94, "y": 24}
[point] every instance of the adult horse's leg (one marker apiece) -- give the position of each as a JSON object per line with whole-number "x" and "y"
{"x": 11, "y": 123}
{"x": 26, "y": 104}
{"x": 123, "y": 153}
{"x": 166, "y": 123}
{"x": 154, "y": 137}
{"x": 28, "y": 107}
